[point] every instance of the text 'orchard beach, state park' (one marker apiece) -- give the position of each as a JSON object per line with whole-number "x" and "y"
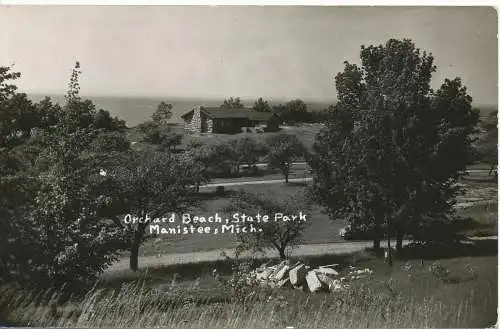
{"x": 216, "y": 224}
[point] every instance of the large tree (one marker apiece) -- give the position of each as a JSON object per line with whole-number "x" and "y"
{"x": 404, "y": 145}
{"x": 153, "y": 184}
{"x": 68, "y": 234}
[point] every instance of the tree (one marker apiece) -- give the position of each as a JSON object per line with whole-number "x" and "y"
{"x": 403, "y": 145}
{"x": 232, "y": 103}
{"x": 297, "y": 111}
{"x": 108, "y": 142}
{"x": 163, "y": 113}
{"x": 103, "y": 120}
{"x": 173, "y": 140}
{"x": 261, "y": 105}
{"x": 284, "y": 149}
{"x": 249, "y": 151}
{"x": 153, "y": 184}
{"x": 293, "y": 111}
{"x": 75, "y": 233}
{"x": 488, "y": 144}
{"x": 17, "y": 113}
{"x": 274, "y": 234}
{"x": 61, "y": 229}
{"x": 157, "y": 131}
{"x": 225, "y": 158}
{"x": 201, "y": 157}
{"x": 48, "y": 113}
{"x": 17, "y": 189}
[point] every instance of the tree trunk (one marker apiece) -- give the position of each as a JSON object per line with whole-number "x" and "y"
{"x": 389, "y": 252}
{"x": 377, "y": 236}
{"x": 134, "y": 256}
{"x": 282, "y": 253}
{"x": 134, "y": 248}
{"x": 399, "y": 242}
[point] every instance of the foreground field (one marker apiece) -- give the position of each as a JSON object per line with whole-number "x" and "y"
{"x": 410, "y": 294}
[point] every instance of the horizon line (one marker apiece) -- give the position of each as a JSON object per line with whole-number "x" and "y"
{"x": 209, "y": 98}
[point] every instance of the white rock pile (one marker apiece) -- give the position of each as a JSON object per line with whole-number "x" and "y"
{"x": 299, "y": 276}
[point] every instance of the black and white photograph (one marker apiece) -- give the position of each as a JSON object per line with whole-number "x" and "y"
{"x": 248, "y": 166}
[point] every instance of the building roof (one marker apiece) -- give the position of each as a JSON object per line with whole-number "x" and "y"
{"x": 220, "y": 113}
{"x": 243, "y": 113}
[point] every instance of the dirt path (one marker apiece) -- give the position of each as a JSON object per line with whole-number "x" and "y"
{"x": 281, "y": 180}
{"x": 214, "y": 255}
{"x": 257, "y": 182}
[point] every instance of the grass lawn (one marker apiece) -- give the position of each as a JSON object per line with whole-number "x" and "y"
{"x": 321, "y": 230}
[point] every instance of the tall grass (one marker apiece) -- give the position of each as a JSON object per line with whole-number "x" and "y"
{"x": 362, "y": 306}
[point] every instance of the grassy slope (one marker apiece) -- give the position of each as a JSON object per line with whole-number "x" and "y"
{"x": 396, "y": 298}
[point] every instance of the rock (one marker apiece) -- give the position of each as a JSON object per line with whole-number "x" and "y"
{"x": 298, "y": 275}
{"x": 281, "y": 274}
{"x": 264, "y": 275}
{"x": 326, "y": 280}
{"x": 277, "y": 269}
{"x": 283, "y": 283}
{"x": 331, "y": 265}
{"x": 313, "y": 282}
{"x": 326, "y": 271}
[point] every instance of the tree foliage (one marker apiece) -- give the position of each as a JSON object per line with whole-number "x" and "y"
{"x": 60, "y": 225}
{"x": 261, "y": 105}
{"x": 158, "y": 132}
{"x": 163, "y": 113}
{"x": 249, "y": 151}
{"x": 153, "y": 184}
{"x": 232, "y": 103}
{"x": 278, "y": 235}
{"x": 488, "y": 143}
{"x": 393, "y": 149}
{"x": 284, "y": 149}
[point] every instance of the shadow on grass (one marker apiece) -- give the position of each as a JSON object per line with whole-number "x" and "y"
{"x": 442, "y": 251}
{"x": 298, "y": 184}
{"x": 225, "y": 267}
{"x": 213, "y": 195}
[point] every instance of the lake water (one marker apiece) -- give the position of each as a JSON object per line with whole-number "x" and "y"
{"x": 135, "y": 110}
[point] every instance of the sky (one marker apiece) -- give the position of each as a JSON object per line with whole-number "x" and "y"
{"x": 242, "y": 51}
